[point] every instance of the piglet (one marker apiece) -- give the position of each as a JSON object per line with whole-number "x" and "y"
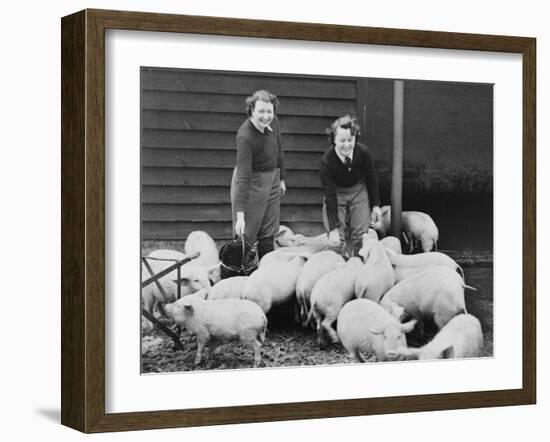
{"x": 365, "y": 327}
{"x": 460, "y": 338}
{"x": 328, "y": 296}
{"x": 428, "y": 259}
{"x": 376, "y": 277}
{"x": 274, "y": 283}
{"x": 316, "y": 267}
{"x": 229, "y": 288}
{"x": 223, "y": 319}
{"x": 432, "y": 294}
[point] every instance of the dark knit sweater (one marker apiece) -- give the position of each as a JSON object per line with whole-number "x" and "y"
{"x": 335, "y": 173}
{"x": 256, "y": 152}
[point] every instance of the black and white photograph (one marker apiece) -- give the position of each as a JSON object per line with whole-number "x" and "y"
{"x": 298, "y": 220}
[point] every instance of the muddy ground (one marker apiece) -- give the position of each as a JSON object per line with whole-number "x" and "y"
{"x": 287, "y": 344}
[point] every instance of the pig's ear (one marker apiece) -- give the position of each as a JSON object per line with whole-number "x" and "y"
{"x": 408, "y": 327}
{"x": 375, "y": 331}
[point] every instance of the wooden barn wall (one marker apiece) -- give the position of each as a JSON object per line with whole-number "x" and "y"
{"x": 190, "y": 118}
{"x": 189, "y": 123}
{"x": 447, "y": 158}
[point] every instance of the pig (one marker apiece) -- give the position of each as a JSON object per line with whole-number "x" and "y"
{"x": 392, "y": 243}
{"x": 229, "y": 288}
{"x": 376, "y": 276}
{"x": 199, "y": 242}
{"x": 222, "y": 319}
{"x": 287, "y": 238}
{"x": 193, "y": 277}
{"x": 402, "y": 273}
{"x": 279, "y": 255}
{"x": 274, "y": 283}
{"x": 318, "y": 265}
{"x": 432, "y": 294}
{"x": 427, "y": 259}
{"x": 365, "y": 327}
{"x": 461, "y": 337}
{"x": 417, "y": 228}
{"x": 383, "y": 225}
{"x": 328, "y": 296}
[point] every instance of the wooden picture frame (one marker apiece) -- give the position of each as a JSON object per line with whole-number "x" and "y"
{"x": 83, "y": 220}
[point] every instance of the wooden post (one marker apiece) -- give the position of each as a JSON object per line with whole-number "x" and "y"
{"x": 361, "y": 104}
{"x": 397, "y": 158}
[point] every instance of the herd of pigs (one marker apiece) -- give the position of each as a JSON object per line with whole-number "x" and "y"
{"x": 360, "y": 302}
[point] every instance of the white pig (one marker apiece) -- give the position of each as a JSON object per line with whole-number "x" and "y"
{"x": 287, "y": 238}
{"x": 427, "y": 259}
{"x": 229, "y": 288}
{"x": 460, "y": 338}
{"x": 432, "y": 294}
{"x": 193, "y": 278}
{"x": 223, "y": 319}
{"x": 365, "y": 327}
{"x": 328, "y": 296}
{"x": 376, "y": 276}
{"x": 318, "y": 265}
{"x": 420, "y": 228}
{"x": 417, "y": 227}
{"x": 280, "y": 255}
{"x": 201, "y": 242}
{"x": 402, "y": 273}
{"x": 274, "y": 283}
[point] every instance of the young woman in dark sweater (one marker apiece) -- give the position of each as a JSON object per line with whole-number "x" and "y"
{"x": 259, "y": 177}
{"x": 350, "y": 186}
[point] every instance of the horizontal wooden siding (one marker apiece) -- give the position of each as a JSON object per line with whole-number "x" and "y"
{"x": 189, "y": 122}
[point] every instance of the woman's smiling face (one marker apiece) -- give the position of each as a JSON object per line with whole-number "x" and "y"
{"x": 344, "y": 141}
{"x": 262, "y": 114}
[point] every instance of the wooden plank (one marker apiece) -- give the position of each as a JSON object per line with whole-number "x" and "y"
{"x": 182, "y": 229}
{"x": 221, "y": 212}
{"x": 219, "y": 231}
{"x": 233, "y": 103}
{"x": 218, "y": 158}
{"x": 74, "y": 351}
{"x": 158, "y": 138}
{"x": 246, "y": 84}
{"x": 216, "y": 195}
{"x": 222, "y": 122}
{"x": 217, "y": 177}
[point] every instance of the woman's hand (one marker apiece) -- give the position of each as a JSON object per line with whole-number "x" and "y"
{"x": 376, "y": 216}
{"x": 334, "y": 238}
{"x": 239, "y": 225}
{"x": 283, "y": 188}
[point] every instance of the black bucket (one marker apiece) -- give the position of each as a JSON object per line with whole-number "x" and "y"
{"x": 238, "y": 258}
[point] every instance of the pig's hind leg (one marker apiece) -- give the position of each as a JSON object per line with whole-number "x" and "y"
{"x": 326, "y": 325}
{"x": 201, "y": 343}
{"x": 254, "y": 341}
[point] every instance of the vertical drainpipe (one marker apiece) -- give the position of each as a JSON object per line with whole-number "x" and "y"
{"x": 397, "y": 158}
